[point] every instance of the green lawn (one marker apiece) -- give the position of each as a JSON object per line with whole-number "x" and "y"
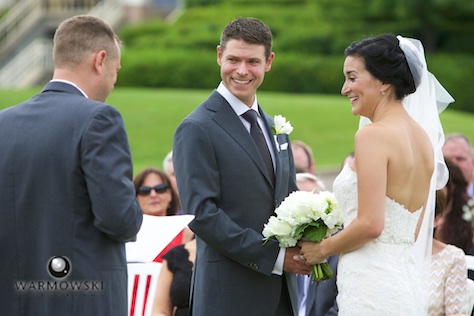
{"x": 325, "y": 122}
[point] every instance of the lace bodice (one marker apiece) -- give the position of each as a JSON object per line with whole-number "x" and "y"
{"x": 374, "y": 279}
{"x": 399, "y": 225}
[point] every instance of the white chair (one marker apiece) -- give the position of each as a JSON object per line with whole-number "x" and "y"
{"x": 470, "y": 283}
{"x": 470, "y": 262}
{"x": 142, "y": 280}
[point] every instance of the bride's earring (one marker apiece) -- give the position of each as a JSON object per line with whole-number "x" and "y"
{"x": 382, "y": 93}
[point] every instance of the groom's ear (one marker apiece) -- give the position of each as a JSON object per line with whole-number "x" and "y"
{"x": 219, "y": 54}
{"x": 268, "y": 63}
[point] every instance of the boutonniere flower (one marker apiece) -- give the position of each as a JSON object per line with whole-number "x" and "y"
{"x": 281, "y": 126}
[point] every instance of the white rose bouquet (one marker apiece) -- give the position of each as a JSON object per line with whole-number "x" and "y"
{"x": 309, "y": 216}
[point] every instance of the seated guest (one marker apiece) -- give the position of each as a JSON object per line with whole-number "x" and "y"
{"x": 309, "y": 182}
{"x": 174, "y": 282}
{"x": 154, "y": 193}
{"x": 168, "y": 168}
{"x": 448, "y": 282}
{"x": 157, "y": 198}
{"x": 303, "y": 157}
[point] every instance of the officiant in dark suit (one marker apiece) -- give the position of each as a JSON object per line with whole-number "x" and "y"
{"x": 232, "y": 173}
{"x": 67, "y": 201}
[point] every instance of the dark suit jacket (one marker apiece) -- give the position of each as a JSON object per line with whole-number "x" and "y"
{"x": 222, "y": 180}
{"x": 65, "y": 190}
{"x": 321, "y": 296}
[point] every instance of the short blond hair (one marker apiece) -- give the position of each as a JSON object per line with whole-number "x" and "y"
{"x": 81, "y": 35}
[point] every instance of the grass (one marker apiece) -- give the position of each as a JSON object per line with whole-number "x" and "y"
{"x": 325, "y": 122}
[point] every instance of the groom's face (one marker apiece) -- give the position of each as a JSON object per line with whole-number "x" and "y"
{"x": 243, "y": 68}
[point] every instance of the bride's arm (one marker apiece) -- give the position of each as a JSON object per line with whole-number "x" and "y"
{"x": 371, "y": 166}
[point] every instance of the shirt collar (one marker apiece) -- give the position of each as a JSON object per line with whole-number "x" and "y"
{"x": 238, "y": 106}
{"x": 72, "y": 84}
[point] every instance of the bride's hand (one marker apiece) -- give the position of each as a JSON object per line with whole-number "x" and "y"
{"x": 311, "y": 252}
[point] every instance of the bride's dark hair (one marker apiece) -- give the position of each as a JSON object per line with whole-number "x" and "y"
{"x": 385, "y": 60}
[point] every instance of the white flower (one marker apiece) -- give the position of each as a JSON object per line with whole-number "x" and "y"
{"x": 277, "y": 227}
{"x": 281, "y": 126}
{"x": 468, "y": 210}
{"x": 300, "y": 209}
{"x": 308, "y": 215}
{"x": 296, "y": 208}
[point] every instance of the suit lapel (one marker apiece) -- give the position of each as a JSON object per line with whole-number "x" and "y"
{"x": 231, "y": 123}
{"x": 276, "y": 141}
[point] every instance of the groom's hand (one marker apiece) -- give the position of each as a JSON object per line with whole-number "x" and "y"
{"x": 295, "y": 266}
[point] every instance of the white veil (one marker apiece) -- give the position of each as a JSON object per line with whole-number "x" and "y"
{"x": 429, "y": 99}
{"x": 424, "y": 106}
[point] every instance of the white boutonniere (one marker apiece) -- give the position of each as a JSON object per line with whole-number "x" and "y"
{"x": 281, "y": 126}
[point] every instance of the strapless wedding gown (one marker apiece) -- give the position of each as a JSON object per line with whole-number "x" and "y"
{"x": 380, "y": 278}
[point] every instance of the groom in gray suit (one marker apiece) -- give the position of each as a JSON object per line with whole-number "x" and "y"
{"x": 67, "y": 202}
{"x": 233, "y": 186}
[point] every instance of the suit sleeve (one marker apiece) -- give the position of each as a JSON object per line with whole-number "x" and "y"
{"x": 198, "y": 178}
{"x": 107, "y": 167}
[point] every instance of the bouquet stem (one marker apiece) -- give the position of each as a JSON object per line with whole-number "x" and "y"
{"x": 321, "y": 271}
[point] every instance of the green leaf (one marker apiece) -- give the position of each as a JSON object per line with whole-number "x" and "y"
{"x": 301, "y": 229}
{"x": 315, "y": 224}
{"x": 315, "y": 233}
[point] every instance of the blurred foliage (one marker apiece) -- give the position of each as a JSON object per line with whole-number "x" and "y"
{"x": 309, "y": 39}
{"x": 3, "y": 11}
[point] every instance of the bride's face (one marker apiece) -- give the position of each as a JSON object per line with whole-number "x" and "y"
{"x": 362, "y": 89}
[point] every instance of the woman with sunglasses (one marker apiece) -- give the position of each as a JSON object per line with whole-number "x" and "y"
{"x": 154, "y": 193}
{"x": 156, "y": 197}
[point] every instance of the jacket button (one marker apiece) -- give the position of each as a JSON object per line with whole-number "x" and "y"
{"x": 252, "y": 265}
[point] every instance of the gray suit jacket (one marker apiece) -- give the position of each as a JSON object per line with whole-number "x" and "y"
{"x": 222, "y": 180}
{"x": 65, "y": 190}
{"x": 321, "y": 296}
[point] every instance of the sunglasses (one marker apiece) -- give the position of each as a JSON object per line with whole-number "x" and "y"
{"x": 160, "y": 188}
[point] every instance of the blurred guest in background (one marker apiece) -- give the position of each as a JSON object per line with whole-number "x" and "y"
{"x": 457, "y": 147}
{"x": 448, "y": 282}
{"x": 157, "y": 198}
{"x": 303, "y": 157}
{"x": 348, "y": 159}
{"x": 309, "y": 182}
{"x": 174, "y": 282}
{"x": 168, "y": 168}
{"x": 453, "y": 229}
{"x": 154, "y": 193}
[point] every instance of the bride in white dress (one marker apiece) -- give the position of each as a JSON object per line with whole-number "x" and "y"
{"x": 387, "y": 189}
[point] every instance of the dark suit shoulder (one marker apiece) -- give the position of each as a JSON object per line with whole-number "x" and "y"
{"x": 208, "y": 107}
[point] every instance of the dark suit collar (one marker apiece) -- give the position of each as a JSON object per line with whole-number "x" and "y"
{"x": 231, "y": 123}
{"x": 59, "y": 86}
